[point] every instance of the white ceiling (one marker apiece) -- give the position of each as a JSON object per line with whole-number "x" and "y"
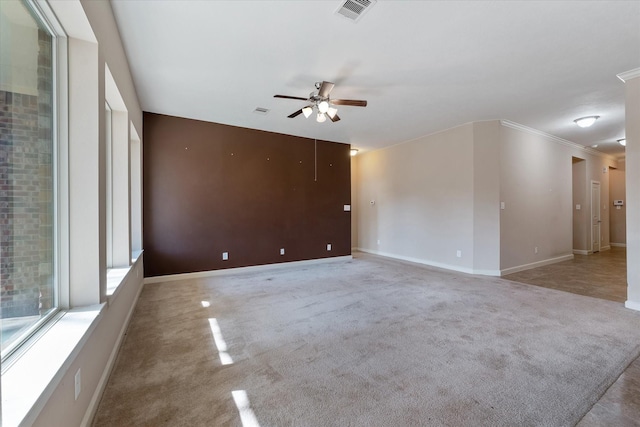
{"x": 423, "y": 66}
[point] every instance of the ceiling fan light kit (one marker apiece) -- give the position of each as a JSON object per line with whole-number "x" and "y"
{"x": 623, "y": 142}
{"x": 307, "y": 111}
{"x": 321, "y": 101}
{"x": 323, "y": 106}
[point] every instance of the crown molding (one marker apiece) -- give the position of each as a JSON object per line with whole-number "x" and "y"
{"x": 628, "y": 75}
{"x": 565, "y": 142}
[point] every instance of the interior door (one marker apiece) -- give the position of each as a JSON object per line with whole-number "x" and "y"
{"x": 595, "y": 216}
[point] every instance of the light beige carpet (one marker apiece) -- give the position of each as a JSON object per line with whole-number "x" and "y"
{"x": 367, "y": 342}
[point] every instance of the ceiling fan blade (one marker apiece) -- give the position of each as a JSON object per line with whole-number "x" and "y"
{"x": 350, "y": 102}
{"x": 290, "y": 97}
{"x": 325, "y": 89}
{"x": 335, "y": 117}
{"x": 296, "y": 114}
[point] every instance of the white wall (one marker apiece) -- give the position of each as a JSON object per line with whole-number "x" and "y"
{"x": 354, "y": 205}
{"x": 536, "y": 186}
{"x": 632, "y": 118}
{"x": 443, "y": 192}
{"x": 95, "y": 359}
{"x": 423, "y": 199}
{"x": 486, "y": 197}
{"x": 103, "y": 24}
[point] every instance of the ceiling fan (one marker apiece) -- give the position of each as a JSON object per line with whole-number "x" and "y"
{"x": 320, "y": 100}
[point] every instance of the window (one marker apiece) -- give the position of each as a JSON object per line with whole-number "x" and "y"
{"x": 118, "y": 243}
{"x": 109, "y": 195}
{"x": 135, "y": 191}
{"x": 28, "y": 268}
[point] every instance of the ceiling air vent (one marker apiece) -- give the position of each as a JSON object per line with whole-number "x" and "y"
{"x": 261, "y": 110}
{"x": 354, "y": 9}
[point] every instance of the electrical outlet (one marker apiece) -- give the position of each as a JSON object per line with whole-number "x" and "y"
{"x": 328, "y": 246}
{"x": 225, "y": 256}
{"x": 459, "y": 254}
{"x": 282, "y": 251}
{"x": 78, "y": 383}
{"x": 535, "y": 250}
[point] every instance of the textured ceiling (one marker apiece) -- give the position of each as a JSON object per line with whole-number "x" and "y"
{"x": 423, "y": 66}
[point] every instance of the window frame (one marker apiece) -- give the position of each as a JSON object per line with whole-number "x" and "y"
{"x": 42, "y": 13}
{"x": 108, "y": 127}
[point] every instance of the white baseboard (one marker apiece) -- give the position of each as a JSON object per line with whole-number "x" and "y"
{"x": 102, "y": 383}
{"x": 581, "y": 252}
{"x": 542, "y": 263}
{"x": 618, "y": 245}
{"x": 632, "y": 305}
{"x": 605, "y": 248}
{"x": 213, "y": 273}
{"x": 432, "y": 263}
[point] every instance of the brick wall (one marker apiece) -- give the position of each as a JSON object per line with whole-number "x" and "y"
{"x": 26, "y": 195}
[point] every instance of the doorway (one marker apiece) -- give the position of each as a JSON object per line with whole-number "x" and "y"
{"x": 581, "y": 233}
{"x": 596, "y": 217}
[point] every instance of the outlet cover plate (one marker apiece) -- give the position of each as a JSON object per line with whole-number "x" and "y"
{"x": 78, "y": 383}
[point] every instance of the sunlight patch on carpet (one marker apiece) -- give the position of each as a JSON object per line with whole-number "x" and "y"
{"x": 247, "y": 416}
{"x": 225, "y": 358}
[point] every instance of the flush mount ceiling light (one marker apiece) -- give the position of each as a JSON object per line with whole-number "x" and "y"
{"x": 623, "y": 142}
{"x": 353, "y": 152}
{"x": 585, "y": 122}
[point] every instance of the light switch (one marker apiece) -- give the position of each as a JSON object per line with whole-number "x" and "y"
{"x": 578, "y": 207}
{"x": 502, "y": 205}
{"x": 347, "y": 208}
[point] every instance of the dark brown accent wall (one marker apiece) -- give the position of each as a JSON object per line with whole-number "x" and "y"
{"x": 210, "y": 188}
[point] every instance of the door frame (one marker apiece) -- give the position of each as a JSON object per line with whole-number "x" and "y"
{"x": 591, "y": 225}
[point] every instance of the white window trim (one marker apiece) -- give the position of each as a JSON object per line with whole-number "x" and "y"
{"x": 109, "y": 182}
{"x": 60, "y": 176}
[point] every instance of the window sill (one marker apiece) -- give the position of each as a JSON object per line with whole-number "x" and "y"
{"x": 44, "y": 364}
{"x": 50, "y": 353}
{"x": 117, "y": 276}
